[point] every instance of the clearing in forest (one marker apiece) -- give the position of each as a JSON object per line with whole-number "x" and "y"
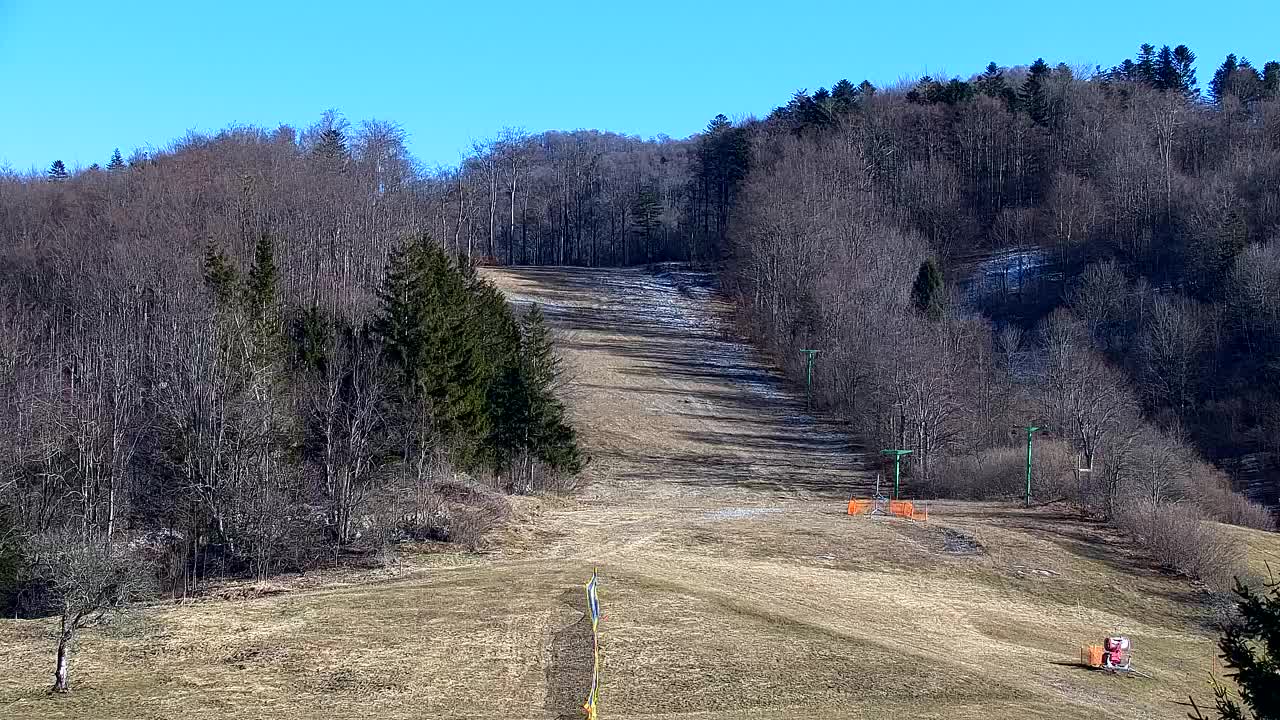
{"x": 732, "y": 582}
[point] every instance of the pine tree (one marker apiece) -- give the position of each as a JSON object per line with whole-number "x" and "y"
{"x": 58, "y": 171}
{"x": 1251, "y": 649}
{"x": 866, "y": 89}
{"x": 117, "y": 161}
{"x": 928, "y": 291}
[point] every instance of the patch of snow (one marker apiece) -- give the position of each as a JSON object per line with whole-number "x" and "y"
{"x": 736, "y": 513}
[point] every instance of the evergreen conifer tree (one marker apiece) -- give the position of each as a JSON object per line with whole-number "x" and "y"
{"x": 928, "y": 291}
{"x": 1221, "y": 79}
{"x": 1167, "y": 75}
{"x": 261, "y": 303}
{"x": 992, "y": 84}
{"x": 647, "y": 212}
{"x": 1251, "y": 650}
{"x": 332, "y": 147}
{"x": 1035, "y": 95}
{"x": 219, "y": 275}
{"x": 1185, "y": 63}
{"x": 1237, "y": 79}
{"x": 58, "y": 171}
{"x": 553, "y": 439}
{"x": 117, "y": 161}
{"x": 1271, "y": 79}
{"x": 262, "y": 284}
{"x": 844, "y": 96}
{"x": 433, "y": 341}
{"x": 1145, "y": 68}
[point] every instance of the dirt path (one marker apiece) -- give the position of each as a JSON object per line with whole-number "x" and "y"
{"x": 733, "y": 584}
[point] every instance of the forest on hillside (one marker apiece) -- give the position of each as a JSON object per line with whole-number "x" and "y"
{"x": 262, "y": 349}
{"x": 1154, "y": 214}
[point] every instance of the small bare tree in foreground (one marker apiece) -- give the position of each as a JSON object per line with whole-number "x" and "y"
{"x": 92, "y": 583}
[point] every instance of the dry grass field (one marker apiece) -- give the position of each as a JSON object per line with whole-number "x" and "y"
{"x": 733, "y": 584}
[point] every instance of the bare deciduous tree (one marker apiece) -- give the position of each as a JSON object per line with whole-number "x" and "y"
{"x": 92, "y": 583}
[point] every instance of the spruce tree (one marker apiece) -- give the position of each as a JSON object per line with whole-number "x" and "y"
{"x": 262, "y": 284}
{"x": 497, "y": 334}
{"x": 261, "y": 303}
{"x": 992, "y": 84}
{"x": 1240, "y": 80}
{"x": 1251, "y": 650}
{"x": 647, "y": 211}
{"x": 1035, "y": 95}
{"x": 1145, "y": 68}
{"x": 1167, "y": 75}
{"x": 553, "y": 439}
{"x": 928, "y": 291}
{"x": 1185, "y": 63}
{"x": 844, "y": 96}
{"x": 331, "y": 148}
{"x": 117, "y": 161}
{"x": 431, "y": 336}
{"x": 991, "y": 81}
{"x": 219, "y": 275}
{"x": 1271, "y": 80}
{"x": 58, "y": 171}
{"x": 1221, "y": 79}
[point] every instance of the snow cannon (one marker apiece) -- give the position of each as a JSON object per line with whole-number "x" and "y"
{"x": 1115, "y": 654}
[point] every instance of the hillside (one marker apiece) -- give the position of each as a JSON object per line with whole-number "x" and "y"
{"x": 733, "y": 583}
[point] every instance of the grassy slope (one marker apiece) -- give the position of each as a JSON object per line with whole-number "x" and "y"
{"x": 733, "y": 584}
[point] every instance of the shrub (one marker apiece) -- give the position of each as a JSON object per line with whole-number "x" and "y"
{"x": 458, "y": 512}
{"x": 1002, "y": 473}
{"x": 1178, "y": 537}
{"x": 1211, "y": 489}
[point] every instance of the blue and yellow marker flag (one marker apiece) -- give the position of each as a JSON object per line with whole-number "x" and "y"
{"x": 591, "y": 706}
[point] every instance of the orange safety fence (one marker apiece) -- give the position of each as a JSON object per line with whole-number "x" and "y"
{"x": 901, "y": 508}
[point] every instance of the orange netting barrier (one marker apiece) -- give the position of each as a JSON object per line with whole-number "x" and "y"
{"x": 901, "y": 508}
{"x": 1091, "y": 655}
{"x": 858, "y": 507}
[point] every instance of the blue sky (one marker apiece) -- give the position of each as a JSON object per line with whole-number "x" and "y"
{"x": 79, "y": 78}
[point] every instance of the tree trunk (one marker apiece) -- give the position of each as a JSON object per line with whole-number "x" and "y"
{"x": 65, "y": 640}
